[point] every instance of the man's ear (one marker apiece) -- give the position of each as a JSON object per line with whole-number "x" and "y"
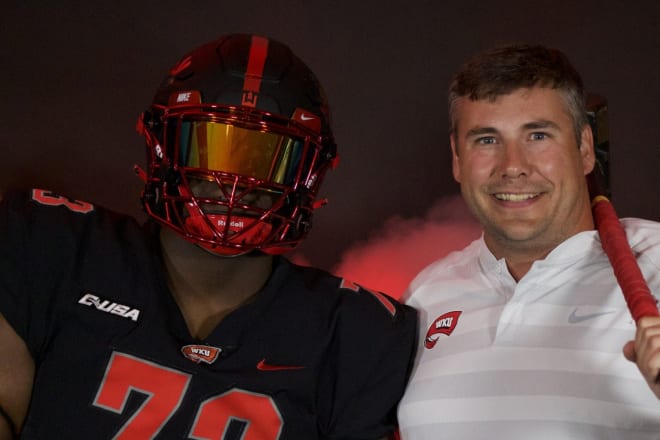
{"x": 587, "y": 151}
{"x": 455, "y": 168}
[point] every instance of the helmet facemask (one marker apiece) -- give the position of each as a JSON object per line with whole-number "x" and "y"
{"x": 231, "y": 179}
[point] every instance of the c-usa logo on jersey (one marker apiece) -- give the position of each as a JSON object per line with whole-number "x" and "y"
{"x": 104, "y": 305}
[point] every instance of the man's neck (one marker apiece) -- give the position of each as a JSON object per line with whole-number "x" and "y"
{"x": 207, "y": 287}
{"x": 519, "y": 257}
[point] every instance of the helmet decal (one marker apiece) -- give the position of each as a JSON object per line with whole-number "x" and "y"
{"x": 255, "y": 70}
{"x": 185, "y": 97}
{"x": 180, "y": 66}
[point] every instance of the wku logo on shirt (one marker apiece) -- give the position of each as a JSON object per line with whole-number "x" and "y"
{"x": 443, "y": 325}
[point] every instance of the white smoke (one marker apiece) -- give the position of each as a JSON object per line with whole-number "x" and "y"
{"x": 391, "y": 256}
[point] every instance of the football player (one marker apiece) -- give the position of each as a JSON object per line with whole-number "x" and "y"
{"x": 194, "y": 325}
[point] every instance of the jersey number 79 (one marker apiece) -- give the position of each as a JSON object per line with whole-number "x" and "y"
{"x": 236, "y": 414}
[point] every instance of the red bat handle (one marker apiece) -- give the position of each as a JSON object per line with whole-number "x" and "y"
{"x": 638, "y": 296}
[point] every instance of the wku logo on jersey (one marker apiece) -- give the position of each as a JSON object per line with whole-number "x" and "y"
{"x": 201, "y": 353}
{"x": 443, "y": 325}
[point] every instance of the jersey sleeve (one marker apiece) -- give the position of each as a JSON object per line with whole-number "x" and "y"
{"x": 14, "y": 249}
{"x": 35, "y": 258}
{"x": 367, "y": 369}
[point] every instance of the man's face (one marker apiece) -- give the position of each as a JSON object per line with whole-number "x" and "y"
{"x": 521, "y": 171}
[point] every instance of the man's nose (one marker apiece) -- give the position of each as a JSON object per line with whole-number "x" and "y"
{"x": 514, "y": 161}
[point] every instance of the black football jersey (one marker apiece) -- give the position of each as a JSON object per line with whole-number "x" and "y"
{"x": 312, "y": 356}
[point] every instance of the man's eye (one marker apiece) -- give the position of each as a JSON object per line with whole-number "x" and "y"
{"x": 486, "y": 140}
{"x": 539, "y": 136}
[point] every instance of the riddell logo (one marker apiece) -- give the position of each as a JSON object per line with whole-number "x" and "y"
{"x": 443, "y": 325}
{"x": 201, "y": 353}
{"x": 232, "y": 224}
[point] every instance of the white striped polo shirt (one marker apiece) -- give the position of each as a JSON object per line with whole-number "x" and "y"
{"x": 537, "y": 359}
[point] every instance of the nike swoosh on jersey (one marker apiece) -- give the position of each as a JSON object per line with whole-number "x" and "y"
{"x": 263, "y": 366}
{"x": 574, "y": 318}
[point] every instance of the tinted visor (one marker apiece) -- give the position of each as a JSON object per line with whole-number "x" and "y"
{"x": 222, "y": 147}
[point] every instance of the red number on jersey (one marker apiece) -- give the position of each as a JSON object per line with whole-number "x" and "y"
{"x": 165, "y": 388}
{"x": 347, "y": 284}
{"x": 252, "y": 416}
{"x": 257, "y": 412}
{"x": 51, "y": 199}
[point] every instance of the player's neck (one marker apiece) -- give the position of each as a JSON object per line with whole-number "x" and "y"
{"x": 208, "y": 287}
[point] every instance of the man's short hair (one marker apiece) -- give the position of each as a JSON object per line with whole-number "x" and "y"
{"x": 503, "y": 70}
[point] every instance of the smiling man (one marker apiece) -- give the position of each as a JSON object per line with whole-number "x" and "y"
{"x": 521, "y": 167}
{"x": 522, "y": 330}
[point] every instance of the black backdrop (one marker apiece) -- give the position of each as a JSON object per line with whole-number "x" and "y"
{"x": 76, "y": 74}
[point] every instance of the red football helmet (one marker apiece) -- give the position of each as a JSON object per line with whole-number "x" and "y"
{"x": 238, "y": 141}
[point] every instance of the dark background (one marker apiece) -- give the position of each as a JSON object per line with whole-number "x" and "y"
{"x": 76, "y": 74}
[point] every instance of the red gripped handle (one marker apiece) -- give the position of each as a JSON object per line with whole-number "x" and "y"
{"x": 636, "y": 292}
